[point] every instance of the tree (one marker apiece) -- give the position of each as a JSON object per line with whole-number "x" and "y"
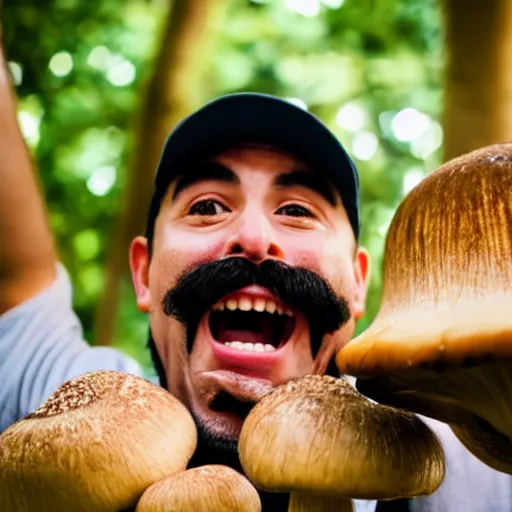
{"x": 478, "y": 81}
{"x": 175, "y": 89}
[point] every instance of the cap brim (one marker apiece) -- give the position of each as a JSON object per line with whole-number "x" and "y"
{"x": 259, "y": 118}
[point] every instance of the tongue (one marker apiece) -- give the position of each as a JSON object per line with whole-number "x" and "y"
{"x": 263, "y": 331}
{"x": 268, "y": 331}
{"x": 241, "y": 335}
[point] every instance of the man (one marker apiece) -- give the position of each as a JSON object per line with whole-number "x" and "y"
{"x": 250, "y": 271}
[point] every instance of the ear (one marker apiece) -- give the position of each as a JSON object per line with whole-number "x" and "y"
{"x": 362, "y": 278}
{"x": 139, "y": 266}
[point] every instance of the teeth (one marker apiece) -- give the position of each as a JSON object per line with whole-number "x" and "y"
{"x": 259, "y": 305}
{"x": 232, "y": 304}
{"x": 247, "y": 304}
{"x": 251, "y": 347}
{"x": 270, "y": 307}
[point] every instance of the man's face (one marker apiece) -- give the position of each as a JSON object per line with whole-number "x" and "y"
{"x": 259, "y": 204}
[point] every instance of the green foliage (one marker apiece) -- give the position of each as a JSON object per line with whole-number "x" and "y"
{"x": 82, "y": 65}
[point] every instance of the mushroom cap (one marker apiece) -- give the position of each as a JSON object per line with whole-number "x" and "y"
{"x": 318, "y": 434}
{"x": 211, "y": 488}
{"x": 447, "y": 275}
{"x": 94, "y": 446}
{"x": 441, "y": 344}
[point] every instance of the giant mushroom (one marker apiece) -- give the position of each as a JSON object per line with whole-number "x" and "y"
{"x": 441, "y": 344}
{"x": 209, "y": 488}
{"x": 325, "y": 443}
{"x": 94, "y": 446}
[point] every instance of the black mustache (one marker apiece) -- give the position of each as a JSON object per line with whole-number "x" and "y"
{"x": 200, "y": 288}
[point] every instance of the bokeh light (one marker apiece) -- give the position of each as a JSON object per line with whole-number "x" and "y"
{"x": 29, "y": 124}
{"x": 411, "y": 179}
{"x": 333, "y": 4}
{"x": 308, "y": 8}
{"x": 99, "y": 57}
{"x": 298, "y": 103}
{"x": 409, "y": 124}
{"x": 351, "y": 117}
{"x": 365, "y": 145}
{"x": 428, "y": 142}
{"x": 16, "y": 72}
{"x": 121, "y": 73}
{"x": 102, "y": 180}
{"x": 61, "y": 64}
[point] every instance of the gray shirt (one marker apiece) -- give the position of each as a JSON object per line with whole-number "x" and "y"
{"x": 42, "y": 346}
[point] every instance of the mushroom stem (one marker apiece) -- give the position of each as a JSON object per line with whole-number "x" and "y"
{"x": 306, "y": 502}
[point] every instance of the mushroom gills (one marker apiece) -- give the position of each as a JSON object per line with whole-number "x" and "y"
{"x": 473, "y": 399}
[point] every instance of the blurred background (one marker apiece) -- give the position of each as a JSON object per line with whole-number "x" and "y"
{"x": 404, "y": 84}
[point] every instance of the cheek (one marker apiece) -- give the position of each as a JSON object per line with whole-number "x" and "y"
{"x": 177, "y": 252}
{"x": 164, "y": 271}
{"x": 305, "y": 251}
{"x": 329, "y": 258}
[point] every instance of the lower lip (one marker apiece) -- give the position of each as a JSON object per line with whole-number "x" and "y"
{"x": 239, "y": 386}
{"x": 245, "y": 359}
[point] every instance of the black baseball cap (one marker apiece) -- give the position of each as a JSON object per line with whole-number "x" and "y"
{"x": 256, "y": 118}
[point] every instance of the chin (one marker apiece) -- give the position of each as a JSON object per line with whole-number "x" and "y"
{"x": 221, "y": 426}
{"x": 217, "y": 440}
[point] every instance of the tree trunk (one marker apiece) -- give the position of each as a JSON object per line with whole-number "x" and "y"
{"x": 478, "y": 79}
{"x": 174, "y": 90}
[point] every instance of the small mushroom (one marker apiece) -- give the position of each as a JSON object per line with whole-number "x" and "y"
{"x": 441, "y": 344}
{"x": 94, "y": 446}
{"x": 211, "y": 488}
{"x": 321, "y": 440}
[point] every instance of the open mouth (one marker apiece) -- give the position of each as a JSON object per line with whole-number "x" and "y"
{"x": 251, "y": 324}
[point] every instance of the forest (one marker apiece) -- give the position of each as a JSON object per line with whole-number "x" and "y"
{"x": 404, "y": 84}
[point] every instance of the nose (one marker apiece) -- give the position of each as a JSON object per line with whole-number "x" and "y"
{"x": 255, "y": 239}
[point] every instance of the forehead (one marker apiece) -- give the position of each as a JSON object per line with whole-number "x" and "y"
{"x": 239, "y": 163}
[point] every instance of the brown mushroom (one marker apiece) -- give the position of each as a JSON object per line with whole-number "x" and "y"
{"x": 211, "y": 488}
{"x": 441, "y": 344}
{"x": 321, "y": 440}
{"x": 94, "y": 446}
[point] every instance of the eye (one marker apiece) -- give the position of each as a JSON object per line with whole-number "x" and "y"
{"x": 294, "y": 210}
{"x": 207, "y": 207}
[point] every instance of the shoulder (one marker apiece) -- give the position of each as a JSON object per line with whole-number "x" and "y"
{"x": 57, "y": 293}
{"x": 42, "y": 346}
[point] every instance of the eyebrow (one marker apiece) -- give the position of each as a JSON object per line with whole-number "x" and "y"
{"x": 309, "y": 180}
{"x": 204, "y": 171}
